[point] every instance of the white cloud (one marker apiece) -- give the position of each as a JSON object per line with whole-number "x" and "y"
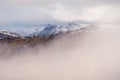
{"x": 41, "y": 11}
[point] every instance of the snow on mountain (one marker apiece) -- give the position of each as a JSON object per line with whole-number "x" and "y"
{"x": 6, "y": 34}
{"x": 53, "y": 29}
{"x": 44, "y": 30}
{"x": 23, "y": 30}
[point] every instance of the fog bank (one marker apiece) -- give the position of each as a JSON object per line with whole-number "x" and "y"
{"x": 89, "y": 55}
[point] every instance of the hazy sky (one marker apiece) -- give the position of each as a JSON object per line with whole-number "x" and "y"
{"x": 47, "y": 11}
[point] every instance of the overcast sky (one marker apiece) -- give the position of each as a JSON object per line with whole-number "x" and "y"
{"x": 47, "y": 11}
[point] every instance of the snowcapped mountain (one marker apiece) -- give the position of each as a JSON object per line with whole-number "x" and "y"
{"x": 7, "y": 34}
{"x": 53, "y": 29}
{"x": 23, "y": 30}
{"x": 45, "y": 30}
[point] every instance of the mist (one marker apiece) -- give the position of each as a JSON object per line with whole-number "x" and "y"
{"x": 89, "y": 55}
{"x": 32, "y": 12}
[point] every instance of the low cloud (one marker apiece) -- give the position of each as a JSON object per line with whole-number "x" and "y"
{"x": 90, "y": 55}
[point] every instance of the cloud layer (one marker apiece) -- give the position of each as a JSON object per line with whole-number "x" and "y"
{"x": 47, "y": 11}
{"x": 91, "y": 55}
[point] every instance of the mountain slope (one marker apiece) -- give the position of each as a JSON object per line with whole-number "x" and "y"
{"x": 54, "y": 29}
{"x": 50, "y": 32}
{"x": 43, "y": 31}
{"x": 7, "y": 34}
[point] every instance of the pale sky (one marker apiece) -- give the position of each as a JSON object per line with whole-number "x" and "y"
{"x": 47, "y": 11}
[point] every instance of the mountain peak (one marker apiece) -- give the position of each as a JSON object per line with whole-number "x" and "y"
{"x": 53, "y": 29}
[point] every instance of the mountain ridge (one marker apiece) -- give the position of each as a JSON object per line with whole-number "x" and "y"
{"x": 45, "y": 32}
{"x": 54, "y": 29}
